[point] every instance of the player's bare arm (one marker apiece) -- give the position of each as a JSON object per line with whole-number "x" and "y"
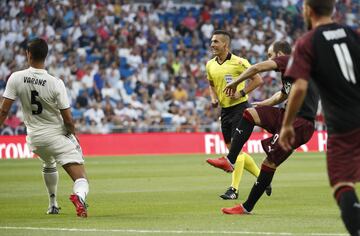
{"x": 275, "y": 99}
{"x": 250, "y": 73}
{"x": 4, "y": 109}
{"x": 68, "y": 121}
{"x": 255, "y": 82}
{"x": 296, "y": 98}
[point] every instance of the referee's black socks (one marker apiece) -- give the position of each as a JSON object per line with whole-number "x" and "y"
{"x": 264, "y": 180}
{"x": 241, "y": 135}
{"x": 350, "y": 209}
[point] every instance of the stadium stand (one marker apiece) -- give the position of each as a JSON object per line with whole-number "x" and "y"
{"x": 135, "y": 66}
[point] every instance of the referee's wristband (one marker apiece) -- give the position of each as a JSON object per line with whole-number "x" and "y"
{"x": 242, "y": 93}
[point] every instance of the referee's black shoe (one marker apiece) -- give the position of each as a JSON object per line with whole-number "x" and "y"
{"x": 230, "y": 194}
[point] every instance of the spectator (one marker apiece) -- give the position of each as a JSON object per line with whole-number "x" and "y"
{"x": 112, "y": 50}
{"x": 83, "y": 100}
{"x": 190, "y": 22}
{"x": 207, "y": 29}
{"x": 180, "y": 93}
{"x": 95, "y": 113}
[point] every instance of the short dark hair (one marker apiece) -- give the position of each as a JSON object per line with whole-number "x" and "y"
{"x": 321, "y": 8}
{"x": 282, "y": 46}
{"x": 38, "y": 49}
{"x": 223, "y": 32}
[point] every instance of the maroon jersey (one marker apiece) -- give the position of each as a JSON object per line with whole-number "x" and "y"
{"x": 330, "y": 56}
{"x": 309, "y": 107}
{"x": 281, "y": 63}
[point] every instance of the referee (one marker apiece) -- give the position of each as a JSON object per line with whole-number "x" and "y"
{"x": 221, "y": 70}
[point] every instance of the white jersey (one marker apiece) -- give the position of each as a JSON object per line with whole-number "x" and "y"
{"x": 42, "y": 97}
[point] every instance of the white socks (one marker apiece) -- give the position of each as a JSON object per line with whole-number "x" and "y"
{"x": 81, "y": 188}
{"x": 51, "y": 178}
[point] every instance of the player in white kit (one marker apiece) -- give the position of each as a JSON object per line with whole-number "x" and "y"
{"x": 50, "y": 128}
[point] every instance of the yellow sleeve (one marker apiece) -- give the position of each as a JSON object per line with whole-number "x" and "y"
{"x": 244, "y": 64}
{"x": 208, "y": 76}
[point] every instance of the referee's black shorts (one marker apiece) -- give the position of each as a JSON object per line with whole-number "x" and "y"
{"x": 230, "y": 118}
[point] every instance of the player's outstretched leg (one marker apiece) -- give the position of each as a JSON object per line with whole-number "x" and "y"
{"x": 348, "y": 202}
{"x": 264, "y": 180}
{"x": 80, "y": 188}
{"x": 51, "y": 178}
{"x": 251, "y": 166}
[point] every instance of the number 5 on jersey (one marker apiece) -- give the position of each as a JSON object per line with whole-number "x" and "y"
{"x": 38, "y": 105}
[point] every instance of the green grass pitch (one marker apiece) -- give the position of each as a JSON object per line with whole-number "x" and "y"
{"x": 169, "y": 195}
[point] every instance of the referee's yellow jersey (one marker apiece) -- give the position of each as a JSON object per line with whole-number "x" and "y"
{"x": 222, "y": 74}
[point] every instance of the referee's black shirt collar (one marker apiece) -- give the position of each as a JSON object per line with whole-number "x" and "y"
{"x": 228, "y": 57}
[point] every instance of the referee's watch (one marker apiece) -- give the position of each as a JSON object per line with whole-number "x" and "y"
{"x": 242, "y": 93}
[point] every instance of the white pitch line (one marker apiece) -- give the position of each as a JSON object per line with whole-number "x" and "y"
{"x": 144, "y": 231}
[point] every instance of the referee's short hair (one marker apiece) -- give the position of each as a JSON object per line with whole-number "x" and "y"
{"x": 223, "y": 32}
{"x": 38, "y": 49}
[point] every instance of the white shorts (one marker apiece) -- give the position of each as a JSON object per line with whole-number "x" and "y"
{"x": 62, "y": 149}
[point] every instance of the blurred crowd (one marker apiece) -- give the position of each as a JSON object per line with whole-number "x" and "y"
{"x": 139, "y": 66}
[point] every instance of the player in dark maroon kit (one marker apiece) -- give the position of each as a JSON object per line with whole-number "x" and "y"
{"x": 329, "y": 54}
{"x": 269, "y": 118}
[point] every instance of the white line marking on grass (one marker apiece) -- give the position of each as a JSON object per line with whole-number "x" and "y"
{"x": 145, "y": 231}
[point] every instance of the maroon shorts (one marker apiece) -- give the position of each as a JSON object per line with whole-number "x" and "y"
{"x": 271, "y": 120}
{"x": 343, "y": 157}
